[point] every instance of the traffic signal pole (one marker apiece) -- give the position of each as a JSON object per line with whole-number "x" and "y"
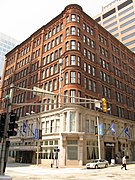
{"x": 5, "y": 141}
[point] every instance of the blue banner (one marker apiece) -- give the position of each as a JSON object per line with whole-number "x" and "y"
{"x": 36, "y": 134}
{"x": 100, "y": 132}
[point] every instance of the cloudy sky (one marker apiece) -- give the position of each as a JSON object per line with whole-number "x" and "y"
{"x": 21, "y": 18}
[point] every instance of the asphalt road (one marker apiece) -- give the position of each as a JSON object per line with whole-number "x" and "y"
{"x": 33, "y": 172}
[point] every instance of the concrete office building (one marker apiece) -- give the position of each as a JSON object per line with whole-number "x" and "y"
{"x": 118, "y": 18}
{"x": 6, "y": 44}
{"x": 72, "y": 55}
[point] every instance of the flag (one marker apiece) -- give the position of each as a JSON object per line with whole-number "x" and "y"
{"x": 112, "y": 128}
{"x": 24, "y": 127}
{"x": 126, "y": 132}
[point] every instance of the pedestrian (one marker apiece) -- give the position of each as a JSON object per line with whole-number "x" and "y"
{"x": 124, "y": 162}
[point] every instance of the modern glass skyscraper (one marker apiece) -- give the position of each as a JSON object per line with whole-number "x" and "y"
{"x": 6, "y": 44}
{"x": 118, "y": 18}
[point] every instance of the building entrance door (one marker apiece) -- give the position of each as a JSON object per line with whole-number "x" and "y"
{"x": 109, "y": 151}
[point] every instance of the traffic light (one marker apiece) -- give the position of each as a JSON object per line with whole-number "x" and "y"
{"x": 2, "y": 124}
{"x": 12, "y": 125}
{"x": 104, "y": 106}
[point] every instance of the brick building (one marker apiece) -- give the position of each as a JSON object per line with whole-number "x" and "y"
{"x": 73, "y": 56}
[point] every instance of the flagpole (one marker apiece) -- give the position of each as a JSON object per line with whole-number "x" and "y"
{"x": 121, "y": 133}
{"x": 99, "y": 145}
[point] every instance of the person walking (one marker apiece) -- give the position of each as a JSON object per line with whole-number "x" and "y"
{"x": 124, "y": 162}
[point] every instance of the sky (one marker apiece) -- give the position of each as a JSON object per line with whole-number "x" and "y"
{"x": 21, "y": 18}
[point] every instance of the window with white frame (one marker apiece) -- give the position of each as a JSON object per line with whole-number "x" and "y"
{"x": 55, "y": 84}
{"x": 84, "y": 38}
{"x": 50, "y": 86}
{"x": 78, "y": 18}
{"x": 90, "y": 85}
{"x": 61, "y": 38}
{"x": 53, "y": 43}
{"x": 66, "y": 78}
{"x": 73, "y": 30}
{"x": 51, "y": 56}
{"x": 79, "y": 122}
{"x": 54, "y": 101}
{"x": 52, "y": 126}
{"x": 73, "y": 95}
{"x": 66, "y": 61}
{"x": 53, "y": 31}
{"x": 79, "y": 61}
{"x": 78, "y": 46}
{"x": 51, "y": 70}
{"x": 73, "y": 60}
{"x": 55, "y": 68}
{"x": 57, "y": 40}
{"x": 94, "y": 87}
{"x": 72, "y": 77}
{"x": 49, "y": 46}
{"x": 93, "y": 57}
{"x": 92, "y": 127}
{"x": 43, "y": 74}
{"x": 87, "y": 125}
{"x": 72, "y": 44}
{"x": 79, "y": 78}
{"x": 85, "y": 52}
{"x": 72, "y": 121}
{"x": 79, "y": 96}
{"x": 78, "y": 32}
{"x": 67, "y": 46}
{"x": 47, "y": 72}
{"x": 57, "y": 125}
{"x": 73, "y": 17}
{"x": 47, "y": 127}
{"x": 85, "y": 67}
{"x": 65, "y": 121}
{"x": 65, "y": 96}
{"x": 93, "y": 71}
{"x": 88, "y": 54}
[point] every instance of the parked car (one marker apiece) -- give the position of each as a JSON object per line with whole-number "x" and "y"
{"x": 97, "y": 163}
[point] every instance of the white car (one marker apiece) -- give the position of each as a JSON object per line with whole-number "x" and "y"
{"x": 97, "y": 163}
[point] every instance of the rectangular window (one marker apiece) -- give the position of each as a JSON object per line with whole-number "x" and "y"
{"x": 72, "y": 77}
{"x": 79, "y": 78}
{"x": 52, "y": 126}
{"x": 57, "y": 125}
{"x": 73, "y": 44}
{"x": 72, "y": 121}
{"x": 47, "y": 127}
{"x": 73, "y": 30}
{"x": 73, "y": 60}
{"x": 73, "y": 95}
{"x": 66, "y": 78}
{"x": 73, "y": 17}
{"x": 72, "y": 152}
{"x": 66, "y": 61}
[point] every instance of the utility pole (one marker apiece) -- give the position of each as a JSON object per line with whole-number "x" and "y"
{"x": 99, "y": 145}
{"x": 5, "y": 141}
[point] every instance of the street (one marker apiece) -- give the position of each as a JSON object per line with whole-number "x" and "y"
{"x": 23, "y": 171}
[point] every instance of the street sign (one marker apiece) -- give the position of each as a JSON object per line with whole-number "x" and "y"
{"x": 41, "y": 92}
{"x": 36, "y": 134}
